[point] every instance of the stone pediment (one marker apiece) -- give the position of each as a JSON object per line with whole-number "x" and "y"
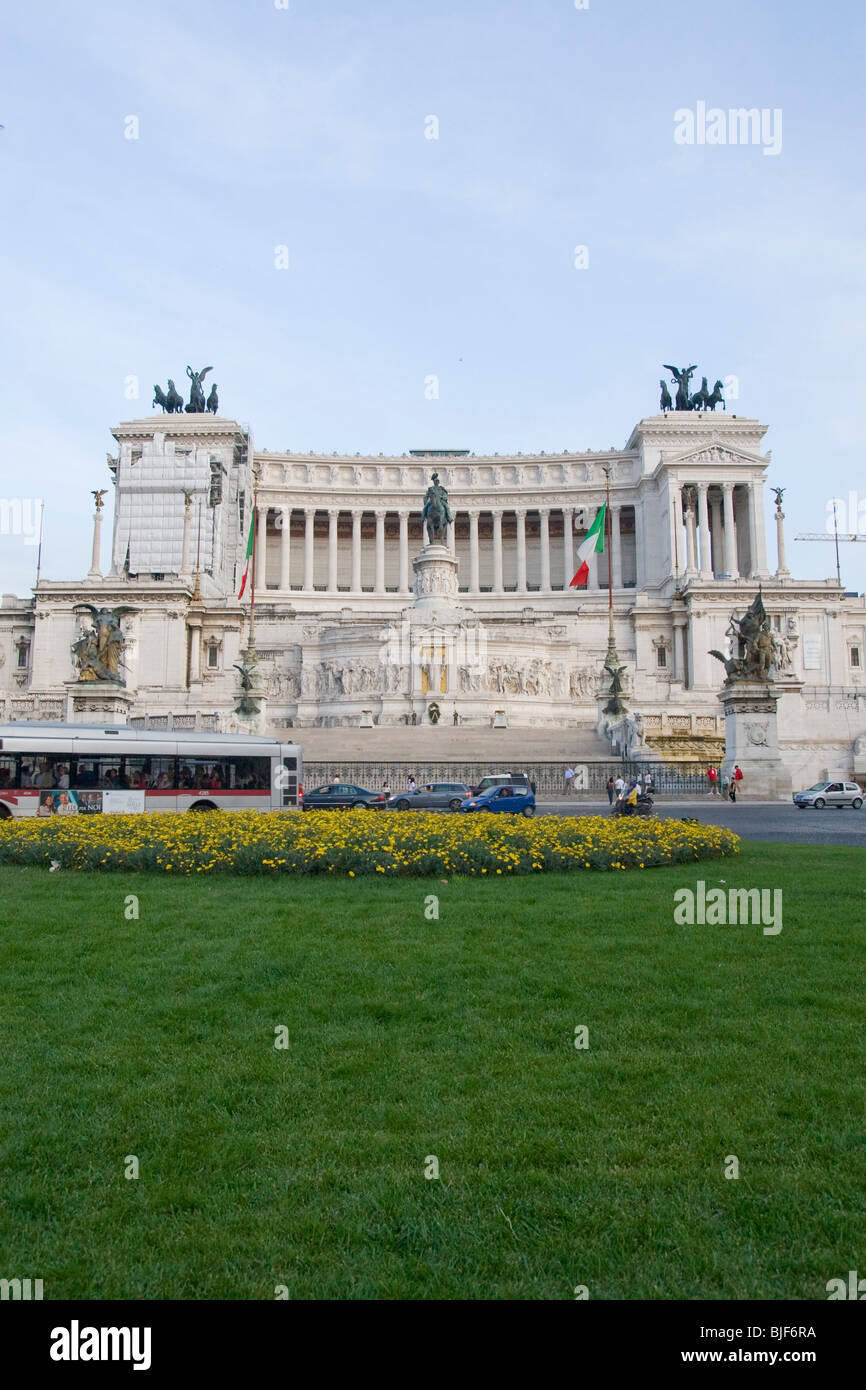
{"x": 715, "y": 454}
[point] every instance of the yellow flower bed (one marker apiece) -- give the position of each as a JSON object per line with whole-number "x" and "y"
{"x": 358, "y": 842}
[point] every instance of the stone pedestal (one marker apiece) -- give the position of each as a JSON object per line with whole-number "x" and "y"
{"x": 436, "y": 586}
{"x": 97, "y": 702}
{"x": 752, "y": 741}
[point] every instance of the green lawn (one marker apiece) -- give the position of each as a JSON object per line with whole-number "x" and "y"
{"x": 410, "y": 1037}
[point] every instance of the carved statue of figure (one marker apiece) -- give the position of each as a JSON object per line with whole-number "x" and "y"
{"x": 247, "y": 680}
{"x": 97, "y": 653}
{"x": 783, "y": 653}
{"x": 615, "y": 704}
{"x": 246, "y": 705}
{"x": 98, "y": 496}
{"x": 196, "y": 396}
{"x": 436, "y": 513}
{"x": 682, "y": 378}
{"x": 213, "y": 401}
{"x": 715, "y": 397}
{"x": 700, "y": 398}
{"x": 754, "y": 649}
{"x": 170, "y": 400}
{"x": 778, "y": 494}
{"x": 665, "y": 403}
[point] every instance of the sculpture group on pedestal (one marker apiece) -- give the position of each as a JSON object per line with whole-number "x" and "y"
{"x": 98, "y": 652}
{"x": 758, "y": 651}
{"x": 685, "y": 399}
{"x": 171, "y": 400}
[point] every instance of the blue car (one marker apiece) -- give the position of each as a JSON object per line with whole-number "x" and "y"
{"x": 517, "y": 799}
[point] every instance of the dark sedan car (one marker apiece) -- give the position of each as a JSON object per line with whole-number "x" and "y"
{"x": 437, "y": 796}
{"x": 338, "y": 796}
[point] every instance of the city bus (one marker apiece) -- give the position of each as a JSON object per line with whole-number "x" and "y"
{"x": 81, "y": 769}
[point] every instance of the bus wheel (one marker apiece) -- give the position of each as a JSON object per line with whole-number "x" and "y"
{"x": 5, "y": 813}
{"x": 203, "y": 806}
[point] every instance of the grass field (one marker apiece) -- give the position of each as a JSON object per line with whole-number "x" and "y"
{"x": 408, "y": 1038}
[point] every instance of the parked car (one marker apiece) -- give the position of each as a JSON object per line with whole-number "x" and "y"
{"x": 338, "y": 796}
{"x": 437, "y": 796}
{"x": 830, "y": 794}
{"x": 519, "y": 799}
{"x": 503, "y": 779}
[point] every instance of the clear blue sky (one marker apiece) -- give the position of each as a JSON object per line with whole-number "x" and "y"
{"x": 410, "y": 257}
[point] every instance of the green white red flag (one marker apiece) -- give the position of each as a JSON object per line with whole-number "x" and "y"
{"x": 249, "y": 555}
{"x": 593, "y": 540}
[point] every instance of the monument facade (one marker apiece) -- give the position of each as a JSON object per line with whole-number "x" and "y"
{"x": 387, "y": 585}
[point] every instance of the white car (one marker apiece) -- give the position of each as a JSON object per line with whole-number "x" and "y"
{"x": 830, "y": 794}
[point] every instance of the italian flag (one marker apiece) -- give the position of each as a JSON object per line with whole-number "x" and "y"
{"x": 593, "y": 540}
{"x": 249, "y": 554}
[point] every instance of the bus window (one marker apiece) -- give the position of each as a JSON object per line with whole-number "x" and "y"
{"x": 252, "y": 774}
{"x": 8, "y": 771}
{"x": 104, "y": 774}
{"x": 150, "y": 774}
{"x": 39, "y": 770}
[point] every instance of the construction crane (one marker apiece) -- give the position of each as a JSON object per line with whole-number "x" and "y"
{"x": 836, "y": 537}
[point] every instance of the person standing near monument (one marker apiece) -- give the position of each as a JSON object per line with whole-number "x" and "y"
{"x": 568, "y": 778}
{"x": 736, "y": 776}
{"x": 713, "y": 779}
{"x": 611, "y": 790}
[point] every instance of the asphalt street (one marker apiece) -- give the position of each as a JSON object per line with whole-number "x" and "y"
{"x": 756, "y": 820}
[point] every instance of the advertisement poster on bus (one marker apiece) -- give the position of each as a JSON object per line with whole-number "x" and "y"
{"x": 61, "y": 802}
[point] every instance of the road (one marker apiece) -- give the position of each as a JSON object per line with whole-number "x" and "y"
{"x": 756, "y": 820}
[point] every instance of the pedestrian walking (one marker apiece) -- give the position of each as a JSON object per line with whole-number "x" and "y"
{"x": 410, "y": 783}
{"x": 736, "y": 777}
{"x": 568, "y": 778}
{"x": 386, "y": 788}
{"x": 611, "y": 790}
{"x": 713, "y": 779}
{"x": 649, "y": 784}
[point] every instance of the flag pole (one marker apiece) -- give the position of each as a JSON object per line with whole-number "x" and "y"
{"x": 615, "y": 705}
{"x": 251, "y": 645}
{"x": 39, "y": 552}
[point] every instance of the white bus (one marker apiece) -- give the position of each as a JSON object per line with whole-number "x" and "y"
{"x": 78, "y": 769}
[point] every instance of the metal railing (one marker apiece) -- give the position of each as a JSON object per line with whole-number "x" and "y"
{"x": 670, "y": 779}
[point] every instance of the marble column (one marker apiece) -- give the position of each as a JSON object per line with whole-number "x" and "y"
{"x": 782, "y": 570}
{"x": 691, "y": 562}
{"x": 94, "y": 572}
{"x": 262, "y": 549}
{"x": 333, "y": 518}
{"x": 731, "y": 568}
{"x": 567, "y": 546}
{"x": 716, "y": 534}
{"x": 615, "y": 558}
{"x": 450, "y": 536}
{"x": 497, "y": 552}
{"x": 380, "y": 552}
{"x": 356, "y": 552}
{"x": 474, "y": 581}
{"x": 520, "y": 513}
{"x": 678, "y": 558}
{"x": 309, "y": 519}
{"x": 404, "y": 552}
{"x": 184, "y": 551}
{"x": 704, "y": 521}
{"x": 544, "y": 528}
{"x": 679, "y": 671}
{"x": 194, "y": 653}
{"x": 757, "y": 538}
{"x": 285, "y": 548}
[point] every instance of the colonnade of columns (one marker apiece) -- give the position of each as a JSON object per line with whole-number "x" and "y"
{"x": 471, "y": 581}
{"x": 711, "y": 521}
